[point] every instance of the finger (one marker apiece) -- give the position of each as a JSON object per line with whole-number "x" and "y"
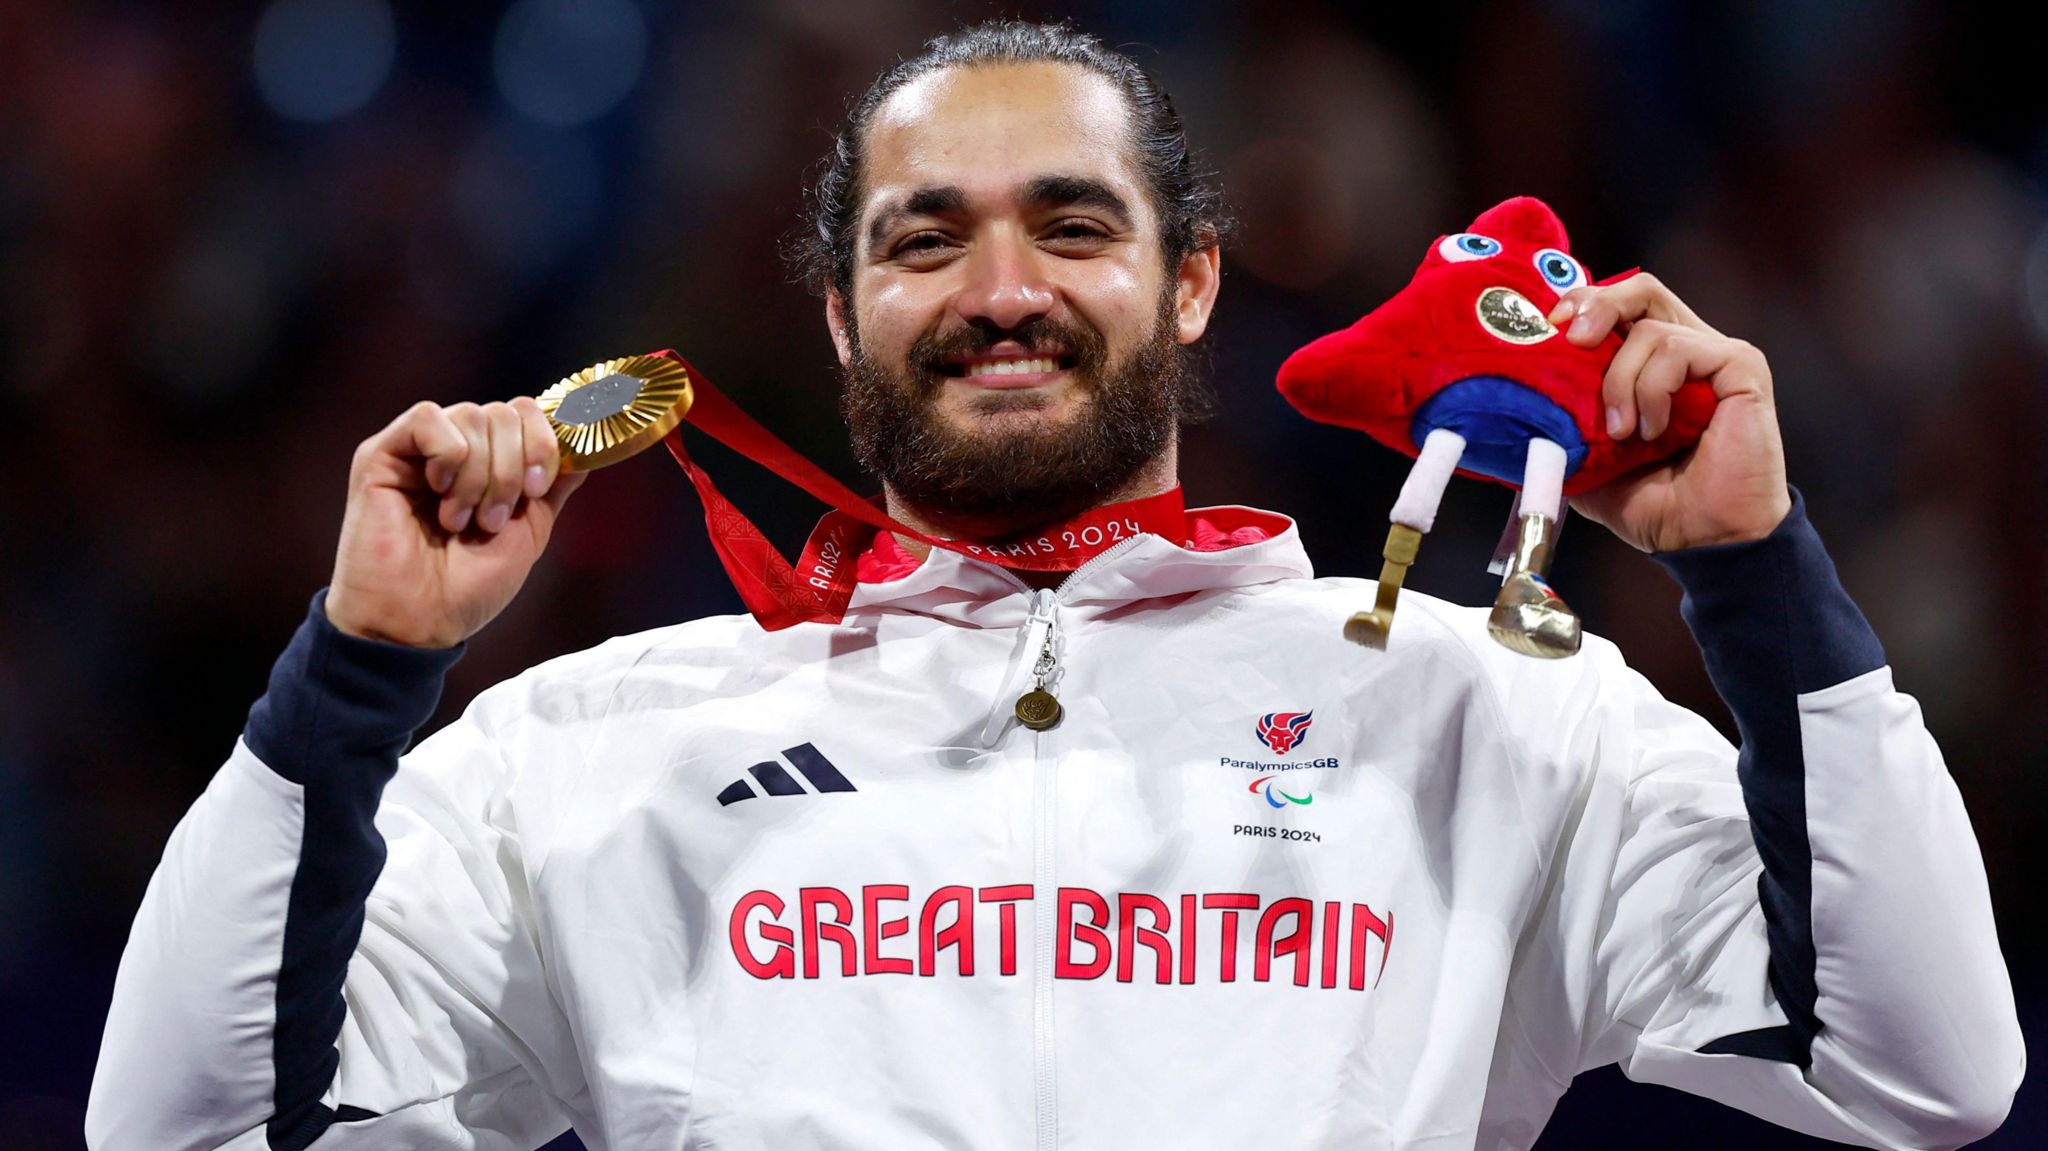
{"x": 1740, "y": 369}
{"x": 1661, "y": 377}
{"x": 508, "y": 467}
{"x": 543, "y": 450}
{"x": 423, "y": 437}
{"x": 1568, "y": 304}
{"x": 1618, "y": 386}
{"x": 459, "y": 503}
{"x": 1616, "y": 306}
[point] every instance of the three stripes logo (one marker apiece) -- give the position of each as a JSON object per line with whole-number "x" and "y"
{"x": 774, "y": 780}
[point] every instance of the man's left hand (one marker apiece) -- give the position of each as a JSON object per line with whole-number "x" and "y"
{"x": 1727, "y": 488}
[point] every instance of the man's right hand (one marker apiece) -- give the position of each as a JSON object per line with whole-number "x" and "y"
{"x": 448, "y": 508}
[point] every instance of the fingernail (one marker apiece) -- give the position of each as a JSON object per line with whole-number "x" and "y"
{"x": 439, "y": 481}
{"x": 1580, "y": 327}
{"x": 1563, "y": 311}
{"x": 536, "y": 481}
{"x": 462, "y": 519}
{"x": 494, "y": 517}
{"x": 1613, "y": 422}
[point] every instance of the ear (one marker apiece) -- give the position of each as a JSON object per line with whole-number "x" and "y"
{"x": 1201, "y": 274}
{"x": 835, "y": 319}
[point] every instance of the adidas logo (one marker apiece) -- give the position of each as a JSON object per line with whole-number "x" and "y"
{"x": 773, "y": 780}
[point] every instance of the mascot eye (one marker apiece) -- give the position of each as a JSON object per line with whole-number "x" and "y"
{"x": 1467, "y": 246}
{"x": 1560, "y": 270}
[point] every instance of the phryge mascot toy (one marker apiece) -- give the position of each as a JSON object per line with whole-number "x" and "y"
{"x": 1463, "y": 371}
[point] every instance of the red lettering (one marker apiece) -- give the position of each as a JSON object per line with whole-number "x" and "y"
{"x": 960, "y": 935}
{"x": 1231, "y": 904}
{"x": 810, "y": 899}
{"x": 1364, "y": 922}
{"x": 1091, "y": 933}
{"x": 1006, "y": 937}
{"x": 1084, "y": 945}
{"x": 1129, "y": 936}
{"x": 1332, "y": 912}
{"x": 783, "y": 964}
{"x": 1296, "y": 942}
{"x": 878, "y": 929}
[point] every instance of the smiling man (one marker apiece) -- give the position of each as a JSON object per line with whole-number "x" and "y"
{"x": 1011, "y": 309}
{"x": 846, "y": 883}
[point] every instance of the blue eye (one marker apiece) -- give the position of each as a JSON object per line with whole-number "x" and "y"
{"x": 1467, "y": 246}
{"x": 1559, "y": 270}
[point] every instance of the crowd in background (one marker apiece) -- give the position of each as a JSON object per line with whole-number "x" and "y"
{"x": 237, "y": 239}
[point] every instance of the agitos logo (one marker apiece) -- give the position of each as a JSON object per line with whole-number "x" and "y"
{"x": 1267, "y": 785}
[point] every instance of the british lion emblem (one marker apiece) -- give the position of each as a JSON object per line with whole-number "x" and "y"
{"x": 1283, "y": 730}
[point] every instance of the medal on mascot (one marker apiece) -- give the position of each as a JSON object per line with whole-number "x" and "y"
{"x": 1463, "y": 371}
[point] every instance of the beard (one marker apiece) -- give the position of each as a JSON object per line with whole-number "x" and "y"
{"x": 1019, "y": 472}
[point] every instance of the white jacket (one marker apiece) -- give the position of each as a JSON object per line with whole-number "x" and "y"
{"x": 710, "y": 887}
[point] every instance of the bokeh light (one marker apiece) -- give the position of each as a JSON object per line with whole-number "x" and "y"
{"x": 320, "y": 60}
{"x": 565, "y": 62}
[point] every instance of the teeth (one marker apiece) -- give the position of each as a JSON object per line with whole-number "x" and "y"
{"x": 1011, "y": 367}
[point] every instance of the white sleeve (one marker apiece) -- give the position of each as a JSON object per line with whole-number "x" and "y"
{"x": 312, "y": 967}
{"x": 1802, "y": 929}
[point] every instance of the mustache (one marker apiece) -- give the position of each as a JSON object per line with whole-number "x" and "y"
{"x": 930, "y": 356}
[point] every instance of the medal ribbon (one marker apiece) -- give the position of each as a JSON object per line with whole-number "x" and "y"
{"x": 819, "y": 585}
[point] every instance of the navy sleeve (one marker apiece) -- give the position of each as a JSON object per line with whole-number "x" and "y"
{"x": 1774, "y": 623}
{"x": 338, "y": 713}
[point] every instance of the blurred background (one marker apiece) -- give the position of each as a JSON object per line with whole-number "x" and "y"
{"x": 237, "y": 239}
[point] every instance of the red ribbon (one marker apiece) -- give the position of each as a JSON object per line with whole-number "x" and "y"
{"x": 819, "y": 585}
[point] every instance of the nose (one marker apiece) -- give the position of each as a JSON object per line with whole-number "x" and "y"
{"x": 1006, "y": 283}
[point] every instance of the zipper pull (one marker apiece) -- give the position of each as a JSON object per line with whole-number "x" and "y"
{"x": 1038, "y": 708}
{"x": 1037, "y": 658}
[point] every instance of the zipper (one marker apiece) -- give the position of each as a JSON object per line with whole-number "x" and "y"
{"x": 1045, "y": 906}
{"x": 1038, "y": 657}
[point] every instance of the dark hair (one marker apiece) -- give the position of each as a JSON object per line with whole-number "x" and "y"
{"x": 1189, "y": 204}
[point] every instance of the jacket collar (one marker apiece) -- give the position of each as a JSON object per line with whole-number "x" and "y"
{"x": 1224, "y": 547}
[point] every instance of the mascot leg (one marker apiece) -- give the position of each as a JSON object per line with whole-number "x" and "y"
{"x": 1527, "y": 616}
{"x": 1414, "y": 513}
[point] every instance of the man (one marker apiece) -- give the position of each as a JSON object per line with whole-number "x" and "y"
{"x": 715, "y": 886}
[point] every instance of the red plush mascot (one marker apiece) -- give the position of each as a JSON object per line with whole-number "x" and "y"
{"x": 1463, "y": 371}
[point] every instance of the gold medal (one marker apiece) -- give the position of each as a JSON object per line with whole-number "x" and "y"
{"x": 614, "y": 409}
{"x": 1037, "y": 709}
{"x": 1507, "y": 314}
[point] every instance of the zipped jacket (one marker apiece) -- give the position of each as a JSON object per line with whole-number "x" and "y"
{"x": 714, "y": 887}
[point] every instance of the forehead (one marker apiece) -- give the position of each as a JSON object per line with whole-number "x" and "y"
{"x": 988, "y": 128}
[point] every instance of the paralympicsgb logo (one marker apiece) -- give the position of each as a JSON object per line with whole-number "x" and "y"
{"x": 1283, "y": 731}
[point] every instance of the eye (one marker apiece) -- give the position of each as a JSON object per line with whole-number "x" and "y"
{"x": 1071, "y": 233}
{"x": 1467, "y": 246}
{"x": 1559, "y": 270}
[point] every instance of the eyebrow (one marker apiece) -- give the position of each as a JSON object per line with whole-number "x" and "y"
{"x": 1040, "y": 192}
{"x": 1077, "y": 192}
{"x": 941, "y": 201}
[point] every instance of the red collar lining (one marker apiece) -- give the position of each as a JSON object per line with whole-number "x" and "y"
{"x": 1208, "y": 530}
